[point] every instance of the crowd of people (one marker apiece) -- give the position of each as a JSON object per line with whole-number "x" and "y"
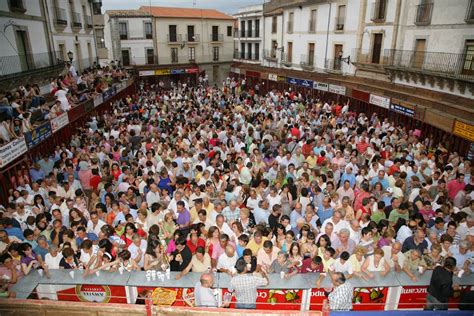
{"x": 224, "y": 179}
{"x": 23, "y": 108}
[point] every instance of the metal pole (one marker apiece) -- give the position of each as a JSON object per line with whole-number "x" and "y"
{"x": 327, "y": 34}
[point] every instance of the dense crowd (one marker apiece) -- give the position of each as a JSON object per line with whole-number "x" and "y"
{"x": 225, "y": 179}
{"x": 23, "y": 108}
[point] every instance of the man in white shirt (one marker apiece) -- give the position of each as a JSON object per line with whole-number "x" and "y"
{"x": 337, "y": 222}
{"x": 153, "y": 196}
{"x": 394, "y": 256}
{"x": 227, "y": 260}
{"x": 95, "y": 223}
{"x": 137, "y": 249}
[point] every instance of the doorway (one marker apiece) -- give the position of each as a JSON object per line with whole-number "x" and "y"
{"x": 419, "y": 55}
{"x": 377, "y": 48}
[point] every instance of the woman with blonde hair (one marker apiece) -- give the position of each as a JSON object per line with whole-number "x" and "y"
{"x": 375, "y": 263}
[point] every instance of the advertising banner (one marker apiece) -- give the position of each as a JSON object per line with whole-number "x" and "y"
{"x": 167, "y": 296}
{"x": 464, "y": 130}
{"x": 379, "y": 101}
{"x": 273, "y": 77}
{"x": 59, "y": 122}
{"x": 275, "y": 299}
{"x": 292, "y": 80}
{"x": 39, "y": 134}
{"x": 162, "y": 72}
{"x": 192, "y": 70}
{"x": 93, "y": 293}
{"x": 364, "y": 298}
{"x": 177, "y": 71}
{"x": 402, "y": 109}
{"x": 337, "y": 89}
{"x": 306, "y": 83}
{"x": 98, "y": 100}
{"x": 110, "y": 92}
{"x": 12, "y": 150}
{"x": 320, "y": 86}
{"x": 145, "y": 73}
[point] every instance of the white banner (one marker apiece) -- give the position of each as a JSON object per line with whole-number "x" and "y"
{"x": 144, "y": 73}
{"x": 59, "y": 122}
{"x": 98, "y": 100}
{"x": 12, "y": 150}
{"x": 272, "y": 77}
{"x": 379, "y": 101}
{"x": 337, "y": 89}
{"x": 320, "y": 86}
{"x": 237, "y": 70}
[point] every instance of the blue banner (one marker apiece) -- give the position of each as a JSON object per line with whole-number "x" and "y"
{"x": 402, "y": 109}
{"x": 109, "y": 93}
{"x": 306, "y": 83}
{"x": 292, "y": 80}
{"x": 38, "y": 134}
{"x": 177, "y": 71}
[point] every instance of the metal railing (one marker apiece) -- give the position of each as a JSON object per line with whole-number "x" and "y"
{"x": 124, "y": 36}
{"x": 339, "y": 23}
{"x": 446, "y": 64}
{"x": 76, "y": 19}
{"x": 286, "y": 59}
{"x": 423, "y": 14}
{"x": 379, "y": 9}
{"x": 245, "y": 55}
{"x": 307, "y": 61}
{"x": 88, "y": 19}
{"x": 365, "y": 56}
{"x": 193, "y": 38}
{"x": 470, "y": 13}
{"x": 25, "y": 63}
{"x": 312, "y": 26}
{"x": 214, "y": 37}
{"x": 270, "y": 54}
{"x": 289, "y": 27}
{"x": 333, "y": 64}
{"x": 174, "y": 38}
{"x": 60, "y": 16}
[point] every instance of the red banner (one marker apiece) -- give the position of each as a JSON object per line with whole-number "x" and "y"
{"x": 365, "y": 299}
{"x": 275, "y": 299}
{"x": 192, "y": 70}
{"x": 168, "y": 296}
{"x": 93, "y": 293}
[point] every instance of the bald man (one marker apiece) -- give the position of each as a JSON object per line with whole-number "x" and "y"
{"x": 227, "y": 260}
{"x": 203, "y": 294}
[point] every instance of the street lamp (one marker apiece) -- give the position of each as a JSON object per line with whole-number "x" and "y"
{"x": 70, "y": 55}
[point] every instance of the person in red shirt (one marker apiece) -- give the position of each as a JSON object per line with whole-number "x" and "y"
{"x": 95, "y": 179}
{"x": 311, "y": 265}
{"x": 295, "y": 131}
{"x": 362, "y": 145}
{"x": 322, "y": 158}
{"x": 194, "y": 241}
{"x": 307, "y": 148}
{"x": 456, "y": 185}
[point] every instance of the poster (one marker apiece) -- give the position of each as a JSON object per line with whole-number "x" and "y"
{"x": 12, "y": 150}
{"x": 463, "y": 130}
{"x": 337, "y": 89}
{"x": 364, "y": 298}
{"x": 412, "y": 297}
{"x": 38, "y": 134}
{"x": 93, "y": 293}
{"x": 379, "y": 101}
{"x": 275, "y": 299}
{"x": 273, "y": 77}
{"x": 167, "y": 296}
{"x": 144, "y": 73}
{"x": 59, "y": 122}
{"x": 306, "y": 83}
{"x": 320, "y": 86}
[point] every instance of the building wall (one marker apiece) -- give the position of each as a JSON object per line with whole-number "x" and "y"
{"x": 254, "y": 14}
{"x": 81, "y": 40}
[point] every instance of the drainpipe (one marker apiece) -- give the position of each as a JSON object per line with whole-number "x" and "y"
{"x": 361, "y": 29}
{"x": 396, "y": 25}
{"x": 93, "y": 32}
{"x": 327, "y": 35}
{"x": 282, "y": 34}
{"x": 48, "y": 28}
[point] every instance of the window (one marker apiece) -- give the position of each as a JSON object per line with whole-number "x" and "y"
{"x": 215, "y": 53}
{"x": 148, "y": 30}
{"x": 229, "y": 31}
{"x": 338, "y": 49}
{"x": 99, "y": 38}
{"x": 274, "y": 48}
{"x": 274, "y": 24}
{"x": 310, "y": 54}
{"x": 257, "y": 28}
{"x": 174, "y": 55}
{"x": 377, "y": 48}
{"x": 341, "y": 17}
{"x": 257, "y": 51}
{"x": 172, "y": 36}
{"x": 123, "y": 30}
{"x": 62, "y": 52}
{"x": 249, "y": 28}
{"x": 312, "y": 21}
{"x": 470, "y": 12}
{"x": 125, "y": 57}
{"x": 17, "y": 6}
{"x": 290, "y": 23}
{"x": 192, "y": 53}
{"x": 423, "y": 12}
{"x": 290, "y": 52}
{"x": 215, "y": 33}
{"x": 379, "y": 8}
{"x": 242, "y": 28}
{"x": 468, "y": 67}
{"x": 249, "y": 53}
{"x": 150, "y": 58}
{"x": 419, "y": 55}
{"x": 242, "y": 50}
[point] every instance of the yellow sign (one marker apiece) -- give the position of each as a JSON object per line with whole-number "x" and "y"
{"x": 464, "y": 130}
{"x": 161, "y": 72}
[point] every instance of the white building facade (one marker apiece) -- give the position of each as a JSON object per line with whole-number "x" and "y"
{"x": 248, "y": 37}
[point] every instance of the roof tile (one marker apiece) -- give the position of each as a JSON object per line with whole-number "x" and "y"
{"x": 170, "y": 12}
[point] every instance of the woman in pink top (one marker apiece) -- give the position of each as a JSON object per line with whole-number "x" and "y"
{"x": 85, "y": 175}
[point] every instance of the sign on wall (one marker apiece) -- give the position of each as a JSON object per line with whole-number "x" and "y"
{"x": 272, "y": 77}
{"x": 320, "y": 86}
{"x": 162, "y": 72}
{"x": 337, "y": 89}
{"x": 292, "y": 80}
{"x": 12, "y": 150}
{"x": 306, "y": 83}
{"x": 59, "y": 122}
{"x": 402, "y": 109}
{"x": 379, "y": 101}
{"x": 463, "y": 130}
{"x": 144, "y": 73}
{"x": 38, "y": 134}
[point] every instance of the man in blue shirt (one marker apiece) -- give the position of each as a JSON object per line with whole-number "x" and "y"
{"x": 325, "y": 210}
{"x": 380, "y": 178}
{"x": 7, "y": 224}
{"x": 349, "y": 176}
{"x": 36, "y": 173}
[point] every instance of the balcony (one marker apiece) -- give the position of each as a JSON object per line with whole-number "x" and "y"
{"x": 88, "y": 19}
{"x": 25, "y": 64}
{"x": 339, "y": 23}
{"x": 423, "y": 14}
{"x": 312, "y": 26}
{"x": 216, "y": 38}
{"x": 124, "y": 36}
{"x": 76, "y": 20}
{"x": 450, "y": 65}
{"x": 174, "y": 38}
{"x": 289, "y": 27}
{"x": 270, "y": 54}
{"x": 60, "y": 16}
{"x": 379, "y": 11}
{"x": 333, "y": 65}
{"x": 286, "y": 60}
{"x": 307, "y": 61}
{"x": 192, "y": 38}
